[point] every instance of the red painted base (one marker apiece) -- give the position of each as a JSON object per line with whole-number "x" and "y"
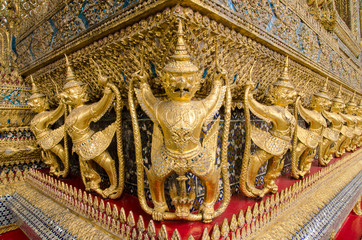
{"x": 238, "y": 202}
{"x": 351, "y": 229}
{"x": 14, "y": 235}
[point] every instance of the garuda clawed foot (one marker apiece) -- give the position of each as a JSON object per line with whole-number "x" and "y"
{"x": 207, "y": 210}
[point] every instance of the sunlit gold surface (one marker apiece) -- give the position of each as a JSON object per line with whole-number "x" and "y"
{"x": 272, "y": 145}
{"x": 308, "y": 140}
{"x": 332, "y": 135}
{"x": 346, "y": 142}
{"x": 49, "y": 140}
{"x": 176, "y": 146}
{"x": 178, "y": 120}
{"x": 91, "y": 146}
{"x": 357, "y": 207}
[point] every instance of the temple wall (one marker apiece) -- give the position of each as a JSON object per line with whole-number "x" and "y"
{"x": 245, "y": 31}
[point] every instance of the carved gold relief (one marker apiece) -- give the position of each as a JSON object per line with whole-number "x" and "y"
{"x": 176, "y": 146}
{"x": 352, "y": 110}
{"x": 305, "y": 142}
{"x": 49, "y": 140}
{"x": 91, "y": 146}
{"x": 332, "y": 134}
{"x": 350, "y": 131}
{"x": 324, "y": 11}
{"x": 272, "y": 145}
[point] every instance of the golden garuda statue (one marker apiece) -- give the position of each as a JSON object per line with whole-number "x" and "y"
{"x": 91, "y": 146}
{"x": 352, "y": 110}
{"x": 305, "y": 149}
{"x": 49, "y": 140}
{"x": 359, "y": 122}
{"x": 272, "y": 145}
{"x": 346, "y": 143}
{"x": 176, "y": 146}
{"x": 332, "y": 134}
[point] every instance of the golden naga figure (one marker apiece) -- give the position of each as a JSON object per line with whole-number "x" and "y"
{"x": 272, "y": 145}
{"x": 330, "y": 134}
{"x": 305, "y": 150}
{"x": 49, "y": 140}
{"x": 91, "y": 146}
{"x": 176, "y": 146}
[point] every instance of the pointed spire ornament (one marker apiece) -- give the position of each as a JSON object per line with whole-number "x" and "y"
{"x": 215, "y": 232}
{"x": 176, "y": 235}
{"x": 338, "y": 97}
{"x": 35, "y": 93}
{"x": 352, "y": 102}
{"x": 151, "y": 229}
{"x": 122, "y": 216}
{"x": 108, "y": 209}
{"x": 284, "y": 80}
{"x": 181, "y": 59}
{"x": 225, "y": 228}
{"x": 233, "y": 223}
{"x": 205, "y": 234}
{"x": 261, "y": 207}
{"x": 130, "y": 219}
{"x": 115, "y": 213}
{"x": 323, "y": 93}
{"x": 190, "y": 238}
{"x": 102, "y": 207}
{"x": 248, "y": 215}
{"x": 162, "y": 235}
{"x": 255, "y": 210}
{"x": 140, "y": 224}
{"x": 70, "y": 80}
{"x": 241, "y": 219}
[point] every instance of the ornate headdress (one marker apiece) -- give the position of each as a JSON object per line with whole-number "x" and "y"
{"x": 181, "y": 63}
{"x": 323, "y": 93}
{"x": 338, "y": 97}
{"x": 70, "y": 80}
{"x": 35, "y": 93}
{"x": 283, "y": 80}
{"x": 352, "y": 102}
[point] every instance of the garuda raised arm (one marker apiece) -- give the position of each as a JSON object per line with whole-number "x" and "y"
{"x": 272, "y": 145}
{"x": 48, "y": 139}
{"x": 91, "y": 146}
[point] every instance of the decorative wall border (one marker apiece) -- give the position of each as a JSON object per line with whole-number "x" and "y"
{"x": 278, "y": 216}
{"x": 225, "y": 15}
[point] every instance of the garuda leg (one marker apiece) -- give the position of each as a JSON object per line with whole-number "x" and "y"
{"x": 157, "y": 189}
{"x": 324, "y": 153}
{"x": 301, "y": 151}
{"x": 90, "y": 177}
{"x": 211, "y": 183}
{"x": 50, "y": 159}
{"x": 275, "y": 166}
{"x": 306, "y": 161}
{"x": 339, "y": 151}
{"x": 257, "y": 159}
{"x": 345, "y": 146}
{"x": 107, "y": 163}
{"x": 58, "y": 150}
